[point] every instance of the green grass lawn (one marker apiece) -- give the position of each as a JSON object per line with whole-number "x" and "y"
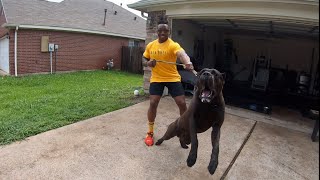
{"x": 33, "y": 104}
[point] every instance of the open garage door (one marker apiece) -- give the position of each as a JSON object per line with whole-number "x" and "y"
{"x": 4, "y": 55}
{"x": 267, "y": 61}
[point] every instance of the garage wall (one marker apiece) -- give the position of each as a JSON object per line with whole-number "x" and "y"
{"x": 77, "y": 51}
{"x": 213, "y": 46}
{"x": 189, "y": 33}
{"x": 296, "y": 53}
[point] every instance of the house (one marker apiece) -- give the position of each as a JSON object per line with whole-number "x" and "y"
{"x": 269, "y": 49}
{"x": 85, "y": 34}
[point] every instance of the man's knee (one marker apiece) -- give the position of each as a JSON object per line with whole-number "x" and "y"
{"x": 154, "y": 103}
{"x": 180, "y": 101}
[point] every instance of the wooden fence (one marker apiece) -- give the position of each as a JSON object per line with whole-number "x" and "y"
{"x": 132, "y": 59}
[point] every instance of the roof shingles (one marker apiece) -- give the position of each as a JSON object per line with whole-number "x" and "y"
{"x": 75, "y": 14}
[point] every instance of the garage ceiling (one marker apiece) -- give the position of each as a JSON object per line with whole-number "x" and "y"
{"x": 266, "y": 26}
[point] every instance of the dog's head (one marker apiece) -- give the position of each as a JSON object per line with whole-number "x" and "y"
{"x": 209, "y": 84}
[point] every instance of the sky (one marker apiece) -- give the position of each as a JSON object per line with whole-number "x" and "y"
{"x": 118, "y": 2}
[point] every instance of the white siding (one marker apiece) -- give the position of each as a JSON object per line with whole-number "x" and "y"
{"x": 4, "y": 55}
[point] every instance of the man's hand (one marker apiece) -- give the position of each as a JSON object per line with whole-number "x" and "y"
{"x": 189, "y": 66}
{"x": 151, "y": 63}
{"x": 148, "y": 63}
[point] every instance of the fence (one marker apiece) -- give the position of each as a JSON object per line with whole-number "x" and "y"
{"x": 132, "y": 59}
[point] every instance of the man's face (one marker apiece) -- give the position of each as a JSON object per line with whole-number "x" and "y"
{"x": 163, "y": 32}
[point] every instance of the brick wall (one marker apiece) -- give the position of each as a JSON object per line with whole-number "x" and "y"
{"x": 77, "y": 51}
{"x": 152, "y": 23}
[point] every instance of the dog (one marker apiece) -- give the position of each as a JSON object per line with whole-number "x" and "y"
{"x": 207, "y": 109}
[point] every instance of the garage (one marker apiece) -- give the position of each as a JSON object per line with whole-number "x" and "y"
{"x": 268, "y": 49}
{"x": 268, "y": 63}
{"x": 4, "y": 55}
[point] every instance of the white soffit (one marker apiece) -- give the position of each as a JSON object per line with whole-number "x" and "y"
{"x": 250, "y": 10}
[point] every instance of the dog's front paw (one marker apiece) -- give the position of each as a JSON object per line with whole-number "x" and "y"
{"x": 212, "y": 167}
{"x": 159, "y": 142}
{"x": 184, "y": 146}
{"x": 191, "y": 160}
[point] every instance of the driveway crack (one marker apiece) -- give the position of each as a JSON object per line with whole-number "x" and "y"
{"x": 238, "y": 152}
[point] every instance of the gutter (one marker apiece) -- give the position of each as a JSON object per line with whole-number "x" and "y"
{"x": 16, "y": 51}
{"x": 70, "y": 30}
{"x": 143, "y": 5}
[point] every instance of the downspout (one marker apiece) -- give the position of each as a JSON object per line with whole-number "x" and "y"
{"x": 15, "y": 51}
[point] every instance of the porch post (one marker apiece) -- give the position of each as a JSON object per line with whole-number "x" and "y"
{"x": 152, "y": 22}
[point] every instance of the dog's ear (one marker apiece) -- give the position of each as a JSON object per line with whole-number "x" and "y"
{"x": 223, "y": 75}
{"x": 200, "y": 72}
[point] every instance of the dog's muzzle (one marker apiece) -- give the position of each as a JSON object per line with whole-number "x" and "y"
{"x": 206, "y": 87}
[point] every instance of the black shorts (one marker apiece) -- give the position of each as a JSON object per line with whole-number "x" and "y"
{"x": 175, "y": 88}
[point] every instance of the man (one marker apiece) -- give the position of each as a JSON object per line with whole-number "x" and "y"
{"x": 164, "y": 74}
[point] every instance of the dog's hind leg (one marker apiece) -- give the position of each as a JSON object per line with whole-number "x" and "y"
{"x": 170, "y": 133}
{"x": 215, "y": 138}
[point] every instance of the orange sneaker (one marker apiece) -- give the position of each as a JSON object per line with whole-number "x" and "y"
{"x": 149, "y": 139}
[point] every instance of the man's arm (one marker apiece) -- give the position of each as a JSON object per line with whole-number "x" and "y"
{"x": 184, "y": 58}
{"x": 144, "y": 61}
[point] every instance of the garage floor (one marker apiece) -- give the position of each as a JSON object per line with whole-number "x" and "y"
{"x": 111, "y": 146}
{"x": 280, "y": 116}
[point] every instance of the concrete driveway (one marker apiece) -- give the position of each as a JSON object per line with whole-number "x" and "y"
{"x": 111, "y": 146}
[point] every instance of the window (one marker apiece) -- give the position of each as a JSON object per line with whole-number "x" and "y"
{"x": 133, "y": 43}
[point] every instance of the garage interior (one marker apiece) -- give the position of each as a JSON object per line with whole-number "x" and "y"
{"x": 272, "y": 66}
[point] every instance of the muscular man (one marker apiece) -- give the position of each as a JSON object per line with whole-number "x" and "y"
{"x": 163, "y": 74}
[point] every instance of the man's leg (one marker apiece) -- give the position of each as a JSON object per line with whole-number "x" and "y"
{"x": 181, "y": 102}
{"x": 152, "y": 111}
{"x": 177, "y": 92}
{"x": 156, "y": 90}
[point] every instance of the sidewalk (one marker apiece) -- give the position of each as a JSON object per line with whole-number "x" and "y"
{"x": 111, "y": 146}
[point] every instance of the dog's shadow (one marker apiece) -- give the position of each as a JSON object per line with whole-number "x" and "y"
{"x": 169, "y": 159}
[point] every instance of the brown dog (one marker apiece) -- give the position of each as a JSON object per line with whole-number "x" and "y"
{"x": 205, "y": 110}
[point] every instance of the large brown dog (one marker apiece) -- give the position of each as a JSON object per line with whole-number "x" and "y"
{"x": 205, "y": 110}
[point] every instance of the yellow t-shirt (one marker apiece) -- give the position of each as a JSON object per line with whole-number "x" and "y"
{"x": 166, "y": 51}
